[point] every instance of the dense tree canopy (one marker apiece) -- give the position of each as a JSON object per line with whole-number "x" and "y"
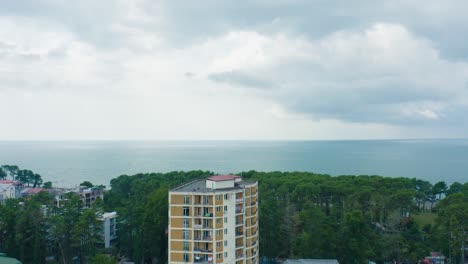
{"x": 302, "y": 215}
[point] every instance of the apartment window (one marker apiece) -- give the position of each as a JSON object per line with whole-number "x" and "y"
{"x": 186, "y": 222}
{"x": 186, "y": 199}
{"x": 218, "y": 197}
{"x": 186, "y": 245}
{"x": 225, "y": 243}
{"x": 218, "y": 244}
{"x": 225, "y": 219}
{"x": 186, "y": 234}
{"x": 206, "y": 199}
{"x": 218, "y": 256}
{"x": 186, "y": 257}
{"x": 225, "y": 231}
{"x": 218, "y": 209}
{"x": 225, "y": 208}
{"x": 218, "y": 220}
{"x": 218, "y": 232}
{"x": 186, "y": 211}
{"x": 225, "y": 254}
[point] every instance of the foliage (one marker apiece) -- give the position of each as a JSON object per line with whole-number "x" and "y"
{"x": 87, "y": 184}
{"x": 302, "y": 215}
{"x": 103, "y": 259}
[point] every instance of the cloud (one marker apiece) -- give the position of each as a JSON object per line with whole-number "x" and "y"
{"x": 382, "y": 74}
{"x": 240, "y": 78}
{"x": 288, "y": 69}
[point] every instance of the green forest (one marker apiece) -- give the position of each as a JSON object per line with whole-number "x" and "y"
{"x": 354, "y": 219}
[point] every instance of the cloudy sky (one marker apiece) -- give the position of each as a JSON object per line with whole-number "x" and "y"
{"x": 259, "y": 69}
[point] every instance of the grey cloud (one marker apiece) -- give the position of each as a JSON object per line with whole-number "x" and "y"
{"x": 240, "y": 78}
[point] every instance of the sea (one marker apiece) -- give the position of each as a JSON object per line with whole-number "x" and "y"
{"x": 67, "y": 163}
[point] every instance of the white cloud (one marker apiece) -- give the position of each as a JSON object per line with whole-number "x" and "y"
{"x": 116, "y": 71}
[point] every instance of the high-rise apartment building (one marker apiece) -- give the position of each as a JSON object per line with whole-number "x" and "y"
{"x": 214, "y": 220}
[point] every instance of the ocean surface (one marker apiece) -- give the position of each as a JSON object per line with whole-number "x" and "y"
{"x": 67, "y": 163}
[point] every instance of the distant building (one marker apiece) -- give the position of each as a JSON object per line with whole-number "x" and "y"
{"x": 32, "y": 191}
{"x": 89, "y": 195}
{"x": 311, "y": 261}
{"x": 214, "y": 221}
{"x": 110, "y": 228}
{"x": 7, "y": 191}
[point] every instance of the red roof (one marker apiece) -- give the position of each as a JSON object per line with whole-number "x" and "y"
{"x": 223, "y": 177}
{"x": 8, "y": 182}
{"x": 33, "y": 190}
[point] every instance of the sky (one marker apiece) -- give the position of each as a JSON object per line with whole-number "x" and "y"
{"x": 233, "y": 70}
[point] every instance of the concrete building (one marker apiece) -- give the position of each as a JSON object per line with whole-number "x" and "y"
{"x": 214, "y": 221}
{"x": 110, "y": 228}
{"x": 89, "y": 195}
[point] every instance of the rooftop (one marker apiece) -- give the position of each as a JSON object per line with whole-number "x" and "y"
{"x": 5, "y": 260}
{"x": 200, "y": 186}
{"x": 8, "y": 182}
{"x": 223, "y": 177}
{"x": 32, "y": 190}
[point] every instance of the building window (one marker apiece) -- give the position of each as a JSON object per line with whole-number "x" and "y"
{"x": 218, "y": 244}
{"x": 186, "y": 222}
{"x": 225, "y": 219}
{"x": 218, "y": 209}
{"x": 218, "y": 232}
{"x": 218, "y": 197}
{"x": 225, "y": 243}
{"x": 186, "y": 257}
{"x": 186, "y": 234}
{"x": 226, "y": 197}
{"x": 218, "y": 256}
{"x": 218, "y": 220}
{"x": 206, "y": 199}
{"x": 186, "y": 199}
{"x": 225, "y": 254}
{"x": 225, "y": 231}
{"x": 225, "y": 208}
{"x": 186, "y": 245}
{"x": 186, "y": 211}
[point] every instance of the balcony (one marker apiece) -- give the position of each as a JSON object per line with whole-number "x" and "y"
{"x": 239, "y": 245}
{"x": 238, "y": 256}
{"x": 239, "y": 234}
{"x": 239, "y": 222}
{"x": 206, "y": 250}
{"x": 239, "y": 200}
{"x": 197, "y": 226}
{"x": 239, "y": 211}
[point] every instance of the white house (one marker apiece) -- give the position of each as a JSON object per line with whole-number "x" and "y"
{"x": 7, "y": 191}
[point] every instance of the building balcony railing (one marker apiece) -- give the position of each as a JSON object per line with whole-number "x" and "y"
{"x": 206, "y": 238}
{"x": 239, "y": 211}
{"x": 239, "y": 222}
{"x": 238, "y": 256}
{"x": 239, "y": 233}
{"x": 197, "y": 226}
{"x": 239, "y": 200}
{"x": 202, "y": 250}
{"x": 239, "y": 245}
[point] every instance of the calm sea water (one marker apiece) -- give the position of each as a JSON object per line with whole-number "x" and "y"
{"x": 70, "y": 162}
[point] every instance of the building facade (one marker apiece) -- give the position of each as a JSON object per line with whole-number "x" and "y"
{"x": 214, "y": 221}
{"x": 109, "y": 228}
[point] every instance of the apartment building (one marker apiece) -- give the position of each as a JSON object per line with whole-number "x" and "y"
{"x": 214, "y": 220}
